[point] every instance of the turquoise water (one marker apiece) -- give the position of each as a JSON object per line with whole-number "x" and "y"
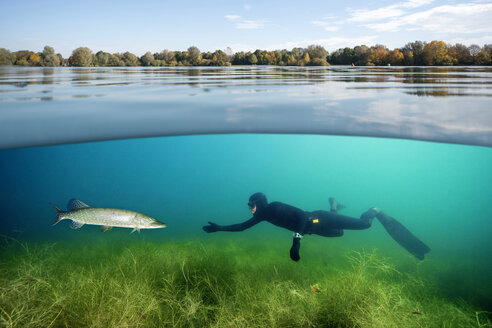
{"x": 439, "y": 191}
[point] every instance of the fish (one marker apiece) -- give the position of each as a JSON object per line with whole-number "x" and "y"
{"x": 315, "y": 289}
{"x": 80, "y": 213}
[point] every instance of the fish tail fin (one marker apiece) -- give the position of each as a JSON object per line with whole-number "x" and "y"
{"x": 59, "y": 213}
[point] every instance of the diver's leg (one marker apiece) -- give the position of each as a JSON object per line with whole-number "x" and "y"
{"x": 324, "y": 221}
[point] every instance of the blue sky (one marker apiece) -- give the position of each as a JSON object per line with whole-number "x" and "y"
{"x": 118, "y": 26}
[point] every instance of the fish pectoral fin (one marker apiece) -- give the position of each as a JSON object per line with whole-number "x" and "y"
{"x": 135, "y": 229}
{"x": 76, "y": 225}
{"x": 105, "y": 228}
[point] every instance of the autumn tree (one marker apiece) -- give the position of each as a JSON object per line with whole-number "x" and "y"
{"x": 395, "y": 57}
{"x": 378, "y": 55}
{"x": 81, "y": 57}
{"x": 483, "y": 58}
{"x": 34, "y": 59}
{"x": 434, "y": 53}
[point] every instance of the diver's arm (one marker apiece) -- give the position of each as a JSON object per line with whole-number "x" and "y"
{"x": 296, "y": 244}
{"x": 212, "y": 227}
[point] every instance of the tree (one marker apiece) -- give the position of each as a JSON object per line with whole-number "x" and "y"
{"x": 81, "y": 57}
{"x": 317, "y": 51}
{"x": 147, "y": 59}
{"x": 416, "y": 48}
{"x": 194, "y": 55}
{"x": 361, "y": 55}
{"x": 6, "y": 58}
{"x": 130, "y": 59}
{"x": 483, "y": 58}
{"x": 251, "y": 59}
{"x": 102, "y": 59}
{"x": 434, "y": 53}
{"x": 34, "y": 59}
{"x": 461, "y": 53}
{"x": 306, "y": 59}
{"x": 378, "y": 55}
{"x": 115, "y": 61}
{"x": 318, "y": 62}
{"x": 395, "y": 57}
{"x": 239, "y": 58}
{"x": 220, "y": 56}
{"x": 49, "y": 58}
{"x": 167, "y": 56}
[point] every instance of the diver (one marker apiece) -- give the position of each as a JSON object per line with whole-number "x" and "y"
{"x": 323, "y": 223}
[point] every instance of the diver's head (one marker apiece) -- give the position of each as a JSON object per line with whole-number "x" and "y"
{"x": 257, "y": 202}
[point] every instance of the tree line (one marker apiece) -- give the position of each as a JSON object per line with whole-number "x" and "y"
{"x": 435, "y": 53}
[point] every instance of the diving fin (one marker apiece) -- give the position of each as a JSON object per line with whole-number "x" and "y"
{"x": 403, "y": 236}
{"x": 334, "y": 205}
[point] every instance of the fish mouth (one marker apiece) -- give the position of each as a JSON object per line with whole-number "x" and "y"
{"x": 158, "y": 224}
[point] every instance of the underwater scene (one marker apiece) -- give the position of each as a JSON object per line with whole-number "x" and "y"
{"x": 124, "y": 205}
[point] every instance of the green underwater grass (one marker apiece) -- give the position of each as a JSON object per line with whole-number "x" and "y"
{"x": 216, "y": 282}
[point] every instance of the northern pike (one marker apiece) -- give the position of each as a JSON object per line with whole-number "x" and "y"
{"x": 81, "y": 213}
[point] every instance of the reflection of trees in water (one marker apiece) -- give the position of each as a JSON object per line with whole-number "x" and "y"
{"x": 48, "y": 76}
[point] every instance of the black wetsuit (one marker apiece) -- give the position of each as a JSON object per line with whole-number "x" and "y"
{"x": 323, "y": 223}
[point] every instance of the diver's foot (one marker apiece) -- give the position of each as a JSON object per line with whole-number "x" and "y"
{"x": 377, "y": 210}
{"x": 334, "y": 205}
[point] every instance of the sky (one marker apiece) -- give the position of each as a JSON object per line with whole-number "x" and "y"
{"x": 151, "y": 25}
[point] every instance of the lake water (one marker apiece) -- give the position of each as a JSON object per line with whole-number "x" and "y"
{"x": 190, "y": 145}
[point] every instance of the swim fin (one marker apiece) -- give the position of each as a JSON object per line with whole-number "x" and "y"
{"x": 334, "y": 205}
{"x": 403, "y": 236}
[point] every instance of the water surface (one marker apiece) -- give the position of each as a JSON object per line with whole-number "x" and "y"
{"x": 41, "y": 106}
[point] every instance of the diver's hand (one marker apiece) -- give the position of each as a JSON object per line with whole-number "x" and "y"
{"x": 211, "y": 227}
{"x": 294, "y": 250}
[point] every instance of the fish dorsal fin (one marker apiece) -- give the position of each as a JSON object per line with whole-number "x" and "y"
{"x": 76, "y": 225}
{"x": 75, "y": 204}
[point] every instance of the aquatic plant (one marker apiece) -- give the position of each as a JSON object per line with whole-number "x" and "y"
{"x": 217, "y": 282}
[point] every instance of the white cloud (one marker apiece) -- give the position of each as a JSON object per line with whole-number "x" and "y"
{"x": 332, "y": 28}
{"x": 459, "y": 18}
{"x": 232, "y": 17}
{"x": 245, "y": 24}
{"x": 487, "y": 39}
{"x": 250, "y": 25}
{"x": 327, "y": 26}
{"x": 362, "y": 15}
{"x": 396, "y": 10}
